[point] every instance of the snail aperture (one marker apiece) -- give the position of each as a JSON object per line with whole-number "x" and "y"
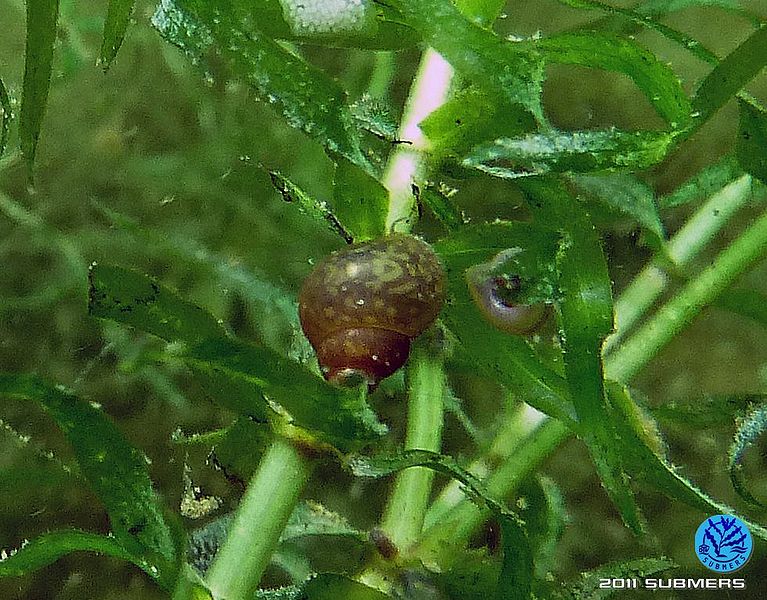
{"x": 361, "y": 306}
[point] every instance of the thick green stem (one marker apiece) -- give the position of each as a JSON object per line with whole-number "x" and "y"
{"x": 405, "y": 167}
{"x": 264, "y": 510}
{"x": 404, "y": 515}
{"x": 638, "y": 350}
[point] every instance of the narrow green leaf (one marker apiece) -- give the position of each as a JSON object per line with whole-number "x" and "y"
{"x": 388, "y": 464}
{"x": 588, "y": 587}
{"x": 648, "y": 466}
{"x": 374, "y": 116}
{"x": 731, "y": 74}
{"x": 499, "y": 355}
{"x": 513, "y": 72}
{"x": 239, "y": 450}
{"x": 42, "y": 19}
{"x": 118, "y": 17}
{"x": 116, "y": 471}
{"x": 309, "y": 99}
{"x": 309, "y": 205}
{"x": 626, "y": 195}
{"x": 745, "y": 302}
{"x": 612, "y": 53}
{"x": 274, "y": 310}
{"x": 542, "y": 508}
{"x": 470, "y": 117}
{"x": 49, "y": 547}
{"x": 359, "y": 201}
{"x": 750, "y": 428}
{"x": 703, "y": 184}
{"x": 585, "y": 319}
{"x": 5, "y": 117}
{"x": 139, "y": 301}
{"x": 751, "y": 146}
{"x": 442, "y": 207}
{"x": 329, "y": 586}
{"x": 706, "y": 411}
{"x": 578, "y": 151}
{"x": 336, "y": 416}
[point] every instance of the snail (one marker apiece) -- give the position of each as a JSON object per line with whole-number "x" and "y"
{"x": 497, "y": 293}
{"x": 361, "y": 306}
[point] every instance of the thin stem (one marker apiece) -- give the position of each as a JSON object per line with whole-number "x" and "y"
{"x": 640, "y": 348}
{"x": 406, "y": 166}
{"x": 439, "y": 544}
{"x": 264, "y": 510}
{"x": 404, "y": 515}
{"x": 688, "y": 242}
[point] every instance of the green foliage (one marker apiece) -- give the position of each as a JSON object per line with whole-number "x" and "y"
{"x": 536, "y": 223}
{"x": 118, "y": 18}
{"x": 42, "y": 17}
{"x": 118, "y": 474}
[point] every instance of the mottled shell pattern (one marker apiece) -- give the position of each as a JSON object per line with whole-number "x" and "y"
{"x": 362, "y": 305}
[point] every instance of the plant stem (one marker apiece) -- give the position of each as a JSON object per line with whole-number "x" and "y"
{"x": 698, "y": 231}
{"x": 261, "y": 516}
{"x": 405, "y": 167}
{"x": 638, "y": 350}
{"x": 439, "y": 544}
{"x": 404, "y": 514}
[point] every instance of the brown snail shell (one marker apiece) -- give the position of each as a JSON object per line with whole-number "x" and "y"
{"x": 494, "y": 294}
{"x": 361, "y": 306}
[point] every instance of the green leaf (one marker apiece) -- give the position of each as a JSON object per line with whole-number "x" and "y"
{"x": 309, "y": 99}
{"x": 6, "y": 115}
{"x": 116, "y": 471}
{"x": 471, "y": 117}
{"x": 513, "y": 72}
{"x": 241, "y": 447}
{"x": 577, "y": 151}
{"x": 308, "y": 205}
{"x": 745, "y": 302}
{"x": 497, "y": 354}
{"x": 442, "y": 208}
{"x": 612, "y": 53}
{"x": 648, "y": 466}
{"x": 731, "y": 74}
{"x": 704, "y": 184}
{"x": 374, "y": 116}
{"x": 118, "y": 17}
{"x": 42, "y": 18}
{"x": 542, "y": 508}
{"x": 49, "y": 547}
{"x": 585, "y": 318}
{"x": 311, "y": 518}
{"x": 588, "y": 587}
{"x": 626, "y": 195}
{"x": 751, "y": 146}
{"x": 275, "y": 311}
{"x": 360, "y": 202}
{"x": 337, "y": 416}
{"x": 139, "y": 301}
{"x": 515, "y": 580}
{"x": 329, "y": 586}
{"x": 706, "y": 411}
{"x": 750, "y": 428}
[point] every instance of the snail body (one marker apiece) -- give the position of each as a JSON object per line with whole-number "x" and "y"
{"x": 496, "y": 294}
{"x": 361, "y": 306}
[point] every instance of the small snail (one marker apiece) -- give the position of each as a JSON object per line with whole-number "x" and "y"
{"x": 497, "y": 294}
{"x": 362, "y": 305}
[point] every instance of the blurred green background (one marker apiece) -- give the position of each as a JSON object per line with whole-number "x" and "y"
{"x": 183, "y": 159}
